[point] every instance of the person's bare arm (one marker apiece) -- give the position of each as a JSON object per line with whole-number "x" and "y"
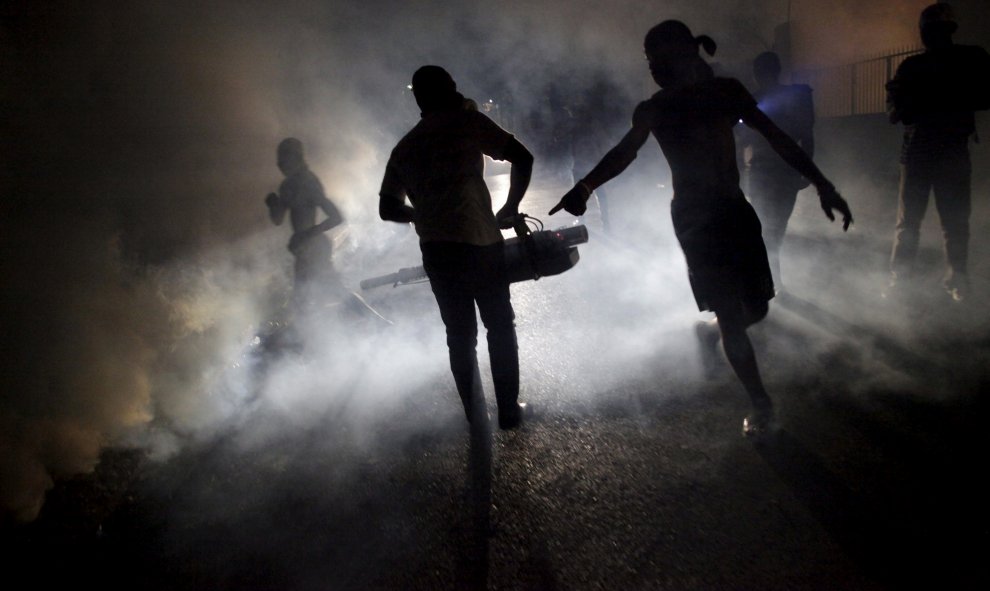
{"x": 900, "y": 103}
{"x": 792, "y": 153}
{"x": 392, "y": 205}
{"x": 392, "y": 208}
{"x": 276, "y": 208}
{"x": 332, "y": 220}
{"x": 519, "y": 177}
{"x": 610, "y": 166}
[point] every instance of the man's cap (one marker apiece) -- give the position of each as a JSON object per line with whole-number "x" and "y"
{"x": 290, "y": 145}
{"x": 937, "y": 13}
{"x": 433, "y": 80}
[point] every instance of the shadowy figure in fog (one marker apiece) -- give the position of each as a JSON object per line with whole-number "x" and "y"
{"x": 692, "y": 118}
{"x": 547, "y": 129}
{"x": 592, "y": 120}
{"x": 772, "y": 183}
{"x": 935, "y": 94}
{"x": 439, "y": 166}
{"x": 301, "y": 195}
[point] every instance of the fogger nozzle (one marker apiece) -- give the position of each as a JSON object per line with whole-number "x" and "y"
{"x": 530, "y": 256}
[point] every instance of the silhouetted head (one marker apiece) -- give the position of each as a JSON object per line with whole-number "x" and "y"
{"x": 290, "y": 155}
{"x": 937, "y": 24}
{"x": 435, "y": 90}
{"x": 766, "y": 69}
{"x": 672, "y": 52}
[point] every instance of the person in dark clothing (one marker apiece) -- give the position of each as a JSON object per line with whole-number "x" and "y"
{"x": 593, "y": 120}
{"x": 772, "y": 183}
{"x": 301, "y": 195}
{"x": 934, "y": 94}
{"x": 439, "y": 166}
{"x": 692, "y": 118}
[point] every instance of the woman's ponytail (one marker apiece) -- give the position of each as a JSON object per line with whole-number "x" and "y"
{"x": 706, "y": 43}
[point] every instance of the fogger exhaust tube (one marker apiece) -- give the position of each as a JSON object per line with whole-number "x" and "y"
{"x": 529, "y": 257}
{"x": 404, "y": 275}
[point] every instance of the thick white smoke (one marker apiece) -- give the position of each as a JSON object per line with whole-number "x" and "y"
{"x": 139, "y": 260}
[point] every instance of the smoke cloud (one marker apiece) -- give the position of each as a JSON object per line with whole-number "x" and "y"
{"x": 140, "y": 264}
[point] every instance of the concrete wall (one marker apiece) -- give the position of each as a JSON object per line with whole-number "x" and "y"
{"x": 842, "y": 31}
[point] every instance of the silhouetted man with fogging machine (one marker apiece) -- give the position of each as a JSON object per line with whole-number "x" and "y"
{"x": 934, "y": 95}
{"x": 692, "y": 118}
{"x": 773, "y": 184}
{"x": 439, "y": 166}
{"x": 301, "y": 195}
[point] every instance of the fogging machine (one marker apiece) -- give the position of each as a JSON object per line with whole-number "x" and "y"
{"x": 528, "y": 255}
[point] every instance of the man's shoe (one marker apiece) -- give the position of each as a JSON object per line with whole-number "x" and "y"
{"x": 759, "y": 423}
{"x": 958, "y": 291}
{"x": 956, "y": 285}
{"x": 514, "y": 419}
{"x": 891, "y": 291}
{"x": 478, "y": 416}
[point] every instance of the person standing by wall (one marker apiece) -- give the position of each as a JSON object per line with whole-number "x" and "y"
{"x": 935, "y": 94}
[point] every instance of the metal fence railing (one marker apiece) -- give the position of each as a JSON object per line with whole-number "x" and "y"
{"x": 856, "y": 88}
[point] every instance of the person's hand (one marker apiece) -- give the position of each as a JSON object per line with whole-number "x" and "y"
{"x": 506, "y": 216}
{"x": 831, "y": 200}
{"x": 574, "y": 201}
{"x": 272, "y": 200}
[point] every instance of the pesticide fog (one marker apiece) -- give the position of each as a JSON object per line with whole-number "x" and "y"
{"x": 140, "y": 265}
